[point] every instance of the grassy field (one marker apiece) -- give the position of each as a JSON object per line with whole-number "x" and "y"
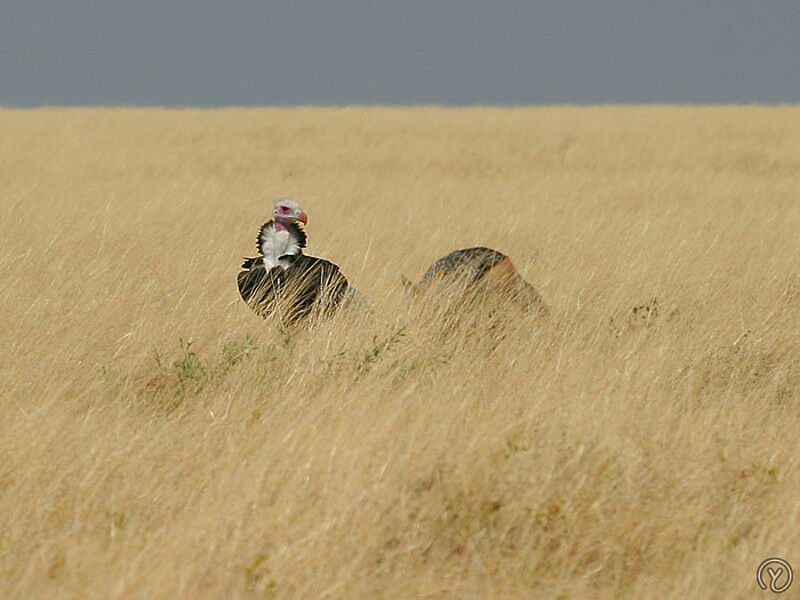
{"x": 159, "y": 440}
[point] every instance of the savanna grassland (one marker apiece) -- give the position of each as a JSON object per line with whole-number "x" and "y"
{"x": 159, "y": 440}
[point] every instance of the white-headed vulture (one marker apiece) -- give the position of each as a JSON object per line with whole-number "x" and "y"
{"x": 284, "y": 281}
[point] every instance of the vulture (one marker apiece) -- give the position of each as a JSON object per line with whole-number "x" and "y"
{"x": 481, "y": 269}
{"x": 284, "y": 281}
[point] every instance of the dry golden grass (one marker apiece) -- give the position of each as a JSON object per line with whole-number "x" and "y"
{"x": 159, "y": 440}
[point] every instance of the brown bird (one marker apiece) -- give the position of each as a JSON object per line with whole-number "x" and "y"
{"x": 282, "y": 279}
{"x": 481, "y": 269}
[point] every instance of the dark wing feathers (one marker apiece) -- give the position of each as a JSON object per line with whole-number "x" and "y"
{"x": 249, "y": 263}
{"x": 312, "y": 282}
{"x": 307, "y": 283}
{"x": 255, "y": 282}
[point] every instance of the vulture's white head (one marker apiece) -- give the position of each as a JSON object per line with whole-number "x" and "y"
{"x": 287, "y": 212}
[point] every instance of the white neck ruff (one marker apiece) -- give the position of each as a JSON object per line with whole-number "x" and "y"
{"x": 275, "y": 244}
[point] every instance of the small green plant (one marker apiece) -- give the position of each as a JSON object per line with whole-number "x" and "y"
{"x": 236, "y": 351}
{"x": 366, "y": 361}
{"x": 158, "y": 357}
{"x": 404, "y": 368}
{"x": 362, "y": 362}
{"x": 257, "y": 576}
{"x": 514, "y": 447}
{"x": 109, "y": 376}
{"x": 335, "y": 364}
{"x": 117, "y": 521}
{"x": 189, "y": 369}
{"x": 232, "y": 353}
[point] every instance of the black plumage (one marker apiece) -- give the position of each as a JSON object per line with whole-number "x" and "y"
{"x": 295, "y": 287}
{"x": 294, "y": 292}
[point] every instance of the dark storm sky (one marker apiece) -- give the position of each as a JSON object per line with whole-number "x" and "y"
{"x": 209, "y": 53}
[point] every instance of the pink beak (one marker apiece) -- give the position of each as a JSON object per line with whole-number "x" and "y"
{"x": 302, "y": 217}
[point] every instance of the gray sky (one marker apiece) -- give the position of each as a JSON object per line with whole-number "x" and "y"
{"x": 209, "y": 53}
